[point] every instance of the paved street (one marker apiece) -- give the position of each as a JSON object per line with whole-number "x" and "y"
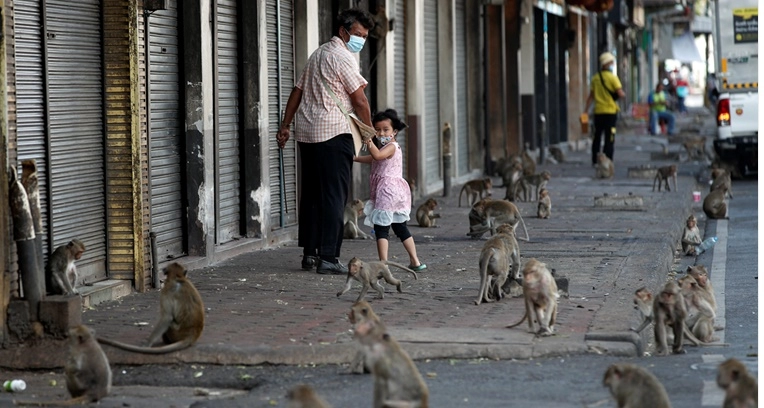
{"x": 261, "y": 308}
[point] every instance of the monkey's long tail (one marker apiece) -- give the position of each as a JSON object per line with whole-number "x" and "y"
{"x": 169, "y": 348}
{"x": 527, "y": 238}
{"x": 525, "y": 316}
{"x": 399, "y": 266}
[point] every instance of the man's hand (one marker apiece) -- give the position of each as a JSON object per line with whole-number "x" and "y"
{"x": 282, "y": 137}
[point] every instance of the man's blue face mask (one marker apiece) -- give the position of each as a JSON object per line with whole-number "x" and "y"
{"x": 355, "y": 44}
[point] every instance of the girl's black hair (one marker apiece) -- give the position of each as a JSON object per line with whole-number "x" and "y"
{"x": 392, "y": 115}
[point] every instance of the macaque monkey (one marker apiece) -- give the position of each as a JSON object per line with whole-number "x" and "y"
{"x": 88, "y": 375}
{"x": 303, "y": 396}
{"x": 635, "y": 387}
{"x": 368, "y": 273}
{"x": 691, "y": 237}
{"x": 721, "y": 179}
{"x": 511, "y": 179}
{"x": 700, "y": 274}
{"x": 557, "y": 153}
{"x": 545, "y": 204}
{"x": 604, "y": 168}
{"x": 476, "y": 190}
{"x": 540, "y": 293}
{"x": 669, "y": 310}
{"x": 181, "y": 316}
{"x": 61, "y": 273}
{"x": 741, "y": 388}
{"x": 663, "y": 175}
{"x": 700, "y": 313}
{"x": 696, "y": 148}
{"x": 537, "y": 180}
{"x": 488, "y": 214}
{"x": 362, "y": 313}
{"x": 397, "y": 381}
{"x": 381, "y": 23}
{"x": 353, "y": 210}
{"x": 495, "y": 258}
{"x": 425, "y": 214}
{"x": 529, "y": 164}
{"x": 714, "y": 205}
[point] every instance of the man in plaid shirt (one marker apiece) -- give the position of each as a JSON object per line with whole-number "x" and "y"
{"x": 323, "y": 136}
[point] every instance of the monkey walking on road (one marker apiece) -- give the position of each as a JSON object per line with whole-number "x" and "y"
{"x": 476, "y": 190}
{"x": 368, "y": 273}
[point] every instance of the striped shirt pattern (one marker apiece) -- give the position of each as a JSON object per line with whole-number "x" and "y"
{"x": 318, "y": 117}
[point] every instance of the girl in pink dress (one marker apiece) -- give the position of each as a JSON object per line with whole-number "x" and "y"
{"x": 390, "y": 201}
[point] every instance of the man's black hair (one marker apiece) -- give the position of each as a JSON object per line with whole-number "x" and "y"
{"x": 346, "y": 18}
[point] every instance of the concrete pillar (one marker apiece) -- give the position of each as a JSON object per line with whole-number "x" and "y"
{"x": 474, "y": 27}
{"x": 414, "y": 94}
{"x": 578, "y": 88}
{"x": 447, "y": 72}
{"x": 527, "y": 68}
{"x": 5, "y": 279}
{"x": 495, "y": 109}
{"x": 512, "y": 24}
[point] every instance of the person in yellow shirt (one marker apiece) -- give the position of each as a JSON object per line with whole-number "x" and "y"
{"x": 605, "y": 89}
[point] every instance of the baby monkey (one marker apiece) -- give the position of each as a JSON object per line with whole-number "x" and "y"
{"x": 691, "y": 237}
{"x": 604, "y": 168}
{"x": 368, "y": 273}
{"x": 425, "y": 214}
{"x": 545, "y": 204}
{"x": 61, "y": 273}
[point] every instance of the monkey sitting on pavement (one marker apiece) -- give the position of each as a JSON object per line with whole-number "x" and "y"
{"x": 368, "y": 273}
{"x": 700, "y": 313}
{"x": 634, "y": 387}
{"x": 662, "y": 176}
{"x": 61, "y": 272}
{"x": 545, "y": 204}
{"x": 303, "y": 396}
{"x": 88, "y": 375}
{"x": 181, "y": 316}
{"x": 741, "y": 388}
{"x": 691, "y": 237}
{"x": 397, "y": 381}
{"x": 353, "y": 210}
{"x": 714, "y": 205}
{"x": 425, "y": 214}
{"x": 540, "y": 293}
{"x": 476, "y": 190}
{"x": 604, "y": 168}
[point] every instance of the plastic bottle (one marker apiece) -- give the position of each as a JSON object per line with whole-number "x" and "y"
{"x": 707, "y": 244}
{"x": 14, "y": 385}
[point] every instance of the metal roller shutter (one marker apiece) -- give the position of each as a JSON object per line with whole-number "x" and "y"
{"x": 166, "y": 148}
{"x": 431, "y": 118}
{"x": 30, "y": 96}
{"x": 75, "y": 78}
{"x": 462, "y": 144}
{"x": 228, "y": 187}
{"x": 279, "y": 22}
{"x": 399, "y": 74}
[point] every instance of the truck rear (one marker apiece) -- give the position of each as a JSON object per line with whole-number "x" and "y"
{"x": 736, "y": 33}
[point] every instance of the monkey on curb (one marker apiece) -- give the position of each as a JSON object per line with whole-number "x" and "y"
{"x": 425, "y": 214}
{"x": 181, "y": 316}
{"x": 351, "y": 230}
{"x": 700, "y": 313}
{"x": 634, "y": 387}
{"x": 368, "y": 273}
{"x": 88, "y": 375}
{"x": 604, "y": 168}
{"x": 488, "y": 214}
{"x": 545, "y": 204}
{"x": 397, "y": 381}
{"x": 700, "y": 274}
{"x": 540, "y": 293}
{"x": 662, "y": 176}
{"x": 476, "y": 190}
{"x": 534, "y": 180}
{"x": 691, "y": 236}
{"x": 714, "y": 205}
{"x": 741, "y": 388}
{"x": 61, "y": 272}
{"x": 495, "y": 258}
{"x": 303, "y": 396}
{"x": 721, "y": 180}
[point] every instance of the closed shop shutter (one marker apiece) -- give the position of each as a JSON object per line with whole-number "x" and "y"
{"x": 399, "y": 67}
{"x": 280, "y": 26}
{"x": 431, "y": 118}
{"x": 30, "y": 96}
{"x": 228, "y": 188}
{"x": 76, "y": 129}
{"x": 462, "y": 144}
{"x": 166, "y": 149}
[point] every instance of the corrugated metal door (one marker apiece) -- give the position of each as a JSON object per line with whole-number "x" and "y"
{"x": 166, "y": 147}
{"x": 75, "y": 97}
{"x": 462, "y": 143}
{"x": 30, "y": 96}
{"x": 280, "y": 25}
{"x": 399, "y": 67}
{"x": 228, "y": 187}
{"x": 431, "y": 118}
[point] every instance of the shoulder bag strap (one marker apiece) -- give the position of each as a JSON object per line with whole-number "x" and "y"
{"x": 329, "y": 89}
{"x": 606, "y": 88}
